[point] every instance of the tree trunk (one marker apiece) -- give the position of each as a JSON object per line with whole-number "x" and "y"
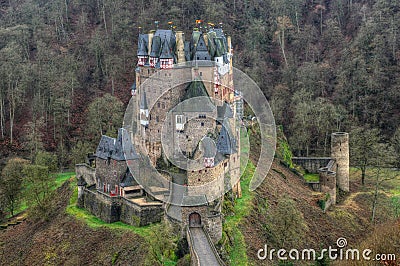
{"x": 2, "y": 117}
{"x": 282, "y": 43}
{"x": 363, "y": 176}
{"x": 374, "y": 203}
{"x": 12, "y": 112}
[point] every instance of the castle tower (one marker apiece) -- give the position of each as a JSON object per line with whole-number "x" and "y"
{"x": 340, "y": 152}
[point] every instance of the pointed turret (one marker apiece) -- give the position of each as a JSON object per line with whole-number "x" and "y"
{"x": 142, "y": 48}
{"x": 144, "y": 110}
{"x": 166, "y": 57}
{"x": 142, "y": 52}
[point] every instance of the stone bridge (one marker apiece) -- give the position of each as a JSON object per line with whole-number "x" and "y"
{"x": 202, "y": 249}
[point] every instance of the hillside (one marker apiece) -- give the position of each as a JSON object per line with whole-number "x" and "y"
{"x": 64, "y": 240}
{"x": 349, "y": 219}
{"x": 71, "y": 236}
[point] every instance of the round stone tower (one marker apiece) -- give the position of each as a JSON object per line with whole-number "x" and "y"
{"x": 340, "y": 152}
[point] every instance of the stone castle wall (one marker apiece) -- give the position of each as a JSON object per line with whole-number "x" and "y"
{"x": 206, "y": 175}
{"x": 113, "y": 209}
{"x": 140, "y": 216}
{"x": 106, "y": 208}
{"x": 213, "y": 224}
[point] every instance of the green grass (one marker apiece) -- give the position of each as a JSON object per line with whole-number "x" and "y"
{"x": 311, "y": 177}
{"x": 94, "y": 222}
{"x": 244, "y": 149}
{"x": 242, "y": 208}
{"x": 60, "y": 178}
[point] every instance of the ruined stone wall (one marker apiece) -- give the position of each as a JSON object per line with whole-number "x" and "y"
{"x": 311, "y": 164}
{"x": 140, "y": 216}
{"x": 327, "y": 179}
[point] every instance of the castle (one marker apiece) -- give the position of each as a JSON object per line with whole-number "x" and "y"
{"x": 178, "y": 151}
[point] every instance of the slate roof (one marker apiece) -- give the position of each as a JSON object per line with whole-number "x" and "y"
{"x": 143, "y": 101}
{"x": 127, "y": 179}
{"x": 114, "y": 149}
{"x": 194, "y": 200}
{"x": 196, "y": 88}
{"x": 198, "y": 47}
{"x": 163, "y": 44}
{"x": 223, "y": 112}
{"x": 155, "y": 46}
{"x": 167, "y": 35}
{"x": 142, "y": 47}
{"x": 127, "y": 144}
{"x": 220, "y": 48}
{"x": 166, "y": 51}
{"x": 226, "y": 143}
{"x": 187, "y": 50}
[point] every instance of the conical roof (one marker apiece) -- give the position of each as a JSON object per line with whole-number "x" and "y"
{"x": 226, "y": 143}
{"x": 155, "y": 46}
{"x": 196, "y": 88}
{"x": 166, "y": 51}
{"x": 142, "y": 48}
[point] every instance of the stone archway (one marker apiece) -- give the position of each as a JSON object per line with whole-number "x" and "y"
{"x": 194, "y": 220}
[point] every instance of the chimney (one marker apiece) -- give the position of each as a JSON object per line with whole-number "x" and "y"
{"x": 151, "y": 34}
{"x": 180, "y": 47}
{"x": 230, "y": 51}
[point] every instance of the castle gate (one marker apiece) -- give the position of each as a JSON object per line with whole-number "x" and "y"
{"x": 194, "y": 220}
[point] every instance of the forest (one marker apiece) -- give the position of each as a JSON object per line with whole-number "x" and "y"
{"x": 66, "y": 68}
